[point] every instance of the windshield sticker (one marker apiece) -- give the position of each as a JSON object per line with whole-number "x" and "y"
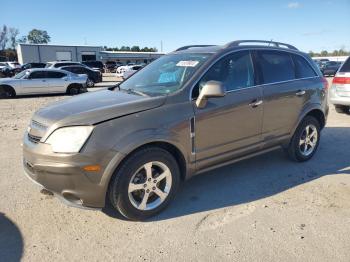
{"x": 189, "y": 63}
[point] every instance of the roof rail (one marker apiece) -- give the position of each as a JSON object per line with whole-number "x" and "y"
{"x": 190, "y": 46}
{"x": 276, "y": 44}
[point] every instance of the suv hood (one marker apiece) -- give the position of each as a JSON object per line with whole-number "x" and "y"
{"x": 92, "y": 108}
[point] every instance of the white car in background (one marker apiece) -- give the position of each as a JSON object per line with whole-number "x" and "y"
{"x": 127, "y": 71}
{"x": 339, "y": 94}
{"x": 14, "y": 65}
{"x": 42, "y": 81}
{"x": 4, "y": 67}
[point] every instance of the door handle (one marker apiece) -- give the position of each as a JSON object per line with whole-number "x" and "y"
{"x": 256, "y": 103}
{"x": 300, "y": 93}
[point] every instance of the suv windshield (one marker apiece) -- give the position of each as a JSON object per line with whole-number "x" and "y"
{"x": 166, "y": 75}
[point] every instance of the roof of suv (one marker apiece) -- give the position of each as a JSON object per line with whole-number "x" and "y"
{"x": 235, "y": 44}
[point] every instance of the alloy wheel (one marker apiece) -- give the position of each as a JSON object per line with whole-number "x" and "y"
{"x": 150, "y": 186}
{"x": 308, "y": 140}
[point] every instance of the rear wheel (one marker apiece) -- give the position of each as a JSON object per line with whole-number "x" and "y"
{"x": 73, "y": 90}
{"x": 7, "y": 92}
{"x": 145, "y": 183}
{"x": 305, "y": 140}
{"x": 342, "y": 109}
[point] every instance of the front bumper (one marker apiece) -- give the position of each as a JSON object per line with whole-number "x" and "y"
{"x": 64, "y": 176}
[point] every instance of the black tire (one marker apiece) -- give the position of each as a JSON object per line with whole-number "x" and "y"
{"x": 294, "y": 149}
{"x": 7, "y": 92}
{"x": 73, "y": 90}
{"x": 119, "y": 184}
{"x": 342, "y": 109}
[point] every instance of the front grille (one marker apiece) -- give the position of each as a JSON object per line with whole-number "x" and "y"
{"x": 34, "y": 139}
{"x": 37, "y": 125}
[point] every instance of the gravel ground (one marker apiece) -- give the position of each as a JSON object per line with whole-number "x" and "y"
{"x": 262, "y": 209}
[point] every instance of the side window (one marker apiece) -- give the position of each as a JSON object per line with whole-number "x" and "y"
{"x": 38, "y": 75}
{"x": 302, "y": 67}
{"x": 51, "y": 74}
{"x": 235, "y": 71}
{"x": 275, "y": 66}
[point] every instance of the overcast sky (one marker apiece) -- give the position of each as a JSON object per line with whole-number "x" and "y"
{"x": 308, "y": 24}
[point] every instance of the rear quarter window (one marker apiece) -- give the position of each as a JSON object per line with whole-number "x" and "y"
{"x": 346, "y": 66}
{"x": 275, "y": 66}
{"x": 302, "y": 68}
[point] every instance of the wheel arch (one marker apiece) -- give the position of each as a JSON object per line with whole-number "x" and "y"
{"x": 71, "y": 85}
{"x": 6, "y": 86}
{"x": 315, "y": 111}
{"x": 170, "y": 147}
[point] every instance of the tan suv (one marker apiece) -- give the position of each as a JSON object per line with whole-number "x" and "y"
{"x": 192, "y": 110}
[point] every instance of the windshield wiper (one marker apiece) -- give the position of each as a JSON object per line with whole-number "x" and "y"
{"x": 114, "y": 87}
{"x": 135, "y": 92}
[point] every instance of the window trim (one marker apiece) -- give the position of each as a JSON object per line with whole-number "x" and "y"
{"x": 223, "y": 57}
{"x": 254, "y": 62}
{"x": 307, "y": 62}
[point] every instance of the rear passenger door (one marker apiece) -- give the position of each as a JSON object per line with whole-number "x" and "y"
{"x": 57, "y": 82}
{"x": 286, "y": 79}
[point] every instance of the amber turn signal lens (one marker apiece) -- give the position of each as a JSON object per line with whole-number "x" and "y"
{"x": 92, "y": 168}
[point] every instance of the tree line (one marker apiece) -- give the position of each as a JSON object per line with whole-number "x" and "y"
{"x": 340, "y": 52}
{"x": 134, "y": 48}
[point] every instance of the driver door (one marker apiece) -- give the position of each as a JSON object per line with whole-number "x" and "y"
{"x": 229, "y": 126}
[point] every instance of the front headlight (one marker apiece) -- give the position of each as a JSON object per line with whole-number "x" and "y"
{"x": 69, "y": 139}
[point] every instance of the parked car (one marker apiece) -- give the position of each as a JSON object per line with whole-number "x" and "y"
{"x": 340, "y": 90}
{"x": 94, "y": 76}
{"x": 58, "y": 64}
{"x": 42, "y": 81}
{"x": 5, "y": 69}
{"x": 96, "y": 65}
{"x": 121, "y": 70}
{"x": 10, "y": 68}
{"x": 130, "y": 71}
{"x": 190, "y": 111}
{"x": 32, "y": 65}
{"x": 110, "y": 66}
{"x": 330, "y": 68}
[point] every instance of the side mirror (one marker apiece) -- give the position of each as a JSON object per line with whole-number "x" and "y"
{"x": 210, "y": 89}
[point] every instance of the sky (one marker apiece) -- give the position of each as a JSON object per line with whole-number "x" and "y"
{"x": 308, "y": 24}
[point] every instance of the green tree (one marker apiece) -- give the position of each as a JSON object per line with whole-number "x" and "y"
{"x": 3, "y": 37}
{"x": 37, "y": 36}
{"x": 135, "y": 48}
{"x": 13, "y": 33}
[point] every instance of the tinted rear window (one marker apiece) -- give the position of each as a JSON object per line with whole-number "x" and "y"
{"x": 275, "y": 66}
{"x": 302, "y": 68}
{"x": 55, "y": 74}
{"x": 346, "y": 66}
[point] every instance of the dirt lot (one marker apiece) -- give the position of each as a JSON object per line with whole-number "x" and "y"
{"x": 263, "y": 209}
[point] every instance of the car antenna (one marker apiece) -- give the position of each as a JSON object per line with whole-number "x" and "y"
{"x": 270, "y": 41}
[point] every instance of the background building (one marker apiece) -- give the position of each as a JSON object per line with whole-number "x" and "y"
{"x": 45, "y": 53}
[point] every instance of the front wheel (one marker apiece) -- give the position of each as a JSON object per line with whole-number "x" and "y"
{"x": 145, "y": 183}
{"x": 305, "y": 140}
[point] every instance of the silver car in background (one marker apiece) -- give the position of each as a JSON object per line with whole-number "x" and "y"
{"x": 42, "y": 81}
{"x": 339, "y": 94}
